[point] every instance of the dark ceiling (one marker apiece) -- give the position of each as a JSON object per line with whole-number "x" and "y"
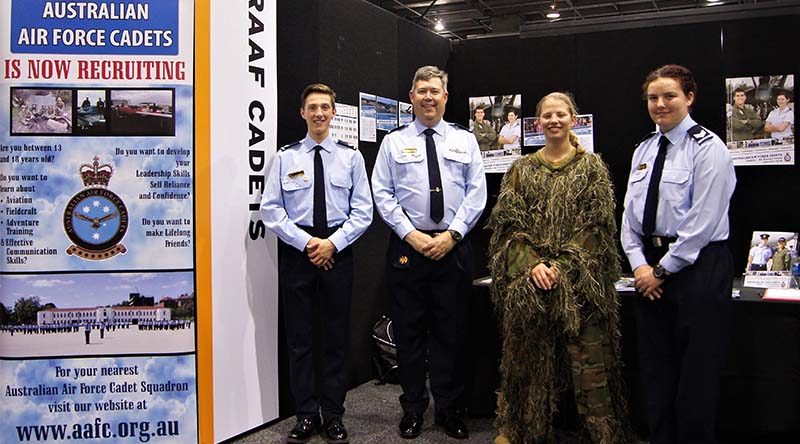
{"x": 467, "y": 19}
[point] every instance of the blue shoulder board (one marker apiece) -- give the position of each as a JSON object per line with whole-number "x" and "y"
{"x": 345, "y": 144}
{"x": 645, "y": 138}
{"x": 398, "y": 128}
{"x": 287, "y": 146}
{"x": 700, "y": 134}
{"x": 455, "y": 125}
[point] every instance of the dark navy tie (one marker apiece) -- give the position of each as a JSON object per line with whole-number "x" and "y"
{"x": 651, "y": 202}
{"x": 320, "y": 210}
{"x": 434, "y": 177}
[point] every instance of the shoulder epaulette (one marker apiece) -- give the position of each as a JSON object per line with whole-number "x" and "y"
{"x": 645, "y": 138}
{"x": 456, "y": 125}
{"x": 397, "y": 129}
{"x": 345, "y": 144}
{"x": 285, "y": 147}
{"x": 700, "y": 134}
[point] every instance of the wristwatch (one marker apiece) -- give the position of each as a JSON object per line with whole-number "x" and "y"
{"x": 660, "y": 272}
{"x": 455, "y": 235}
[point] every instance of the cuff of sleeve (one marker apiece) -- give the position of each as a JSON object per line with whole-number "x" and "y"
{"x": 672, "y": 264}
{"x": 403, "y": 228}
{"x": 459, "y": 226}
{"x": 338, "y": 239}
{"x": 637, "y": 260}
{"x": 301, "y": 241}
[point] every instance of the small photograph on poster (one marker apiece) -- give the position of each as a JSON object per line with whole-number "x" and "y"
{"x": 40, "y": 111}
{"x": 142, "y": 112}
{"x": 98, "y": 314}
{"x": 760, "y": 119}
{"x": 386, "y": 111}
{"x": 344, "y": 125}
{"x": 770, "y": 259}
{"x": 583, "y": 128}
{"x": 368, "y": 121}
{"x": 406, "y": 113}
{"x": 496, "y": 123}
{"x": 90, "y": 113}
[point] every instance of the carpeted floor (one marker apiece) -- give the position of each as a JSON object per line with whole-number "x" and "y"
{"x": 371, "y": 417}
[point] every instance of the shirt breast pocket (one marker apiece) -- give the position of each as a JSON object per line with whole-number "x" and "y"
{"x": 411, "y": 168}
{"x": 296, "y": 191}
{"x": 637, "y": 185}
{"x": 456, "y": 163}
{"x": 674, "y": 185}
{"x": 342, "y": 184}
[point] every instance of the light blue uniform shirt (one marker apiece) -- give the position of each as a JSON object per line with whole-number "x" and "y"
{"x": 288, "y": 198}
{"x": 401, "y": 187}
{"x": 760, "y": 254}
{"x": 693, "y": 197}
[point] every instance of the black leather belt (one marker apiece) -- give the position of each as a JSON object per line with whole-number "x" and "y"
{"x": 658, "y": 241}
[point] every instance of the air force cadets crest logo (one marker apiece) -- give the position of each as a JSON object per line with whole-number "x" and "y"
{"x": 96, "y": 219}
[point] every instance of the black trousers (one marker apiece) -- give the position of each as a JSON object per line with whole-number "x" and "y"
{"x": 430, "y": 303}
{"x": 683, "y": 340}
{"x": 302, "y": 285}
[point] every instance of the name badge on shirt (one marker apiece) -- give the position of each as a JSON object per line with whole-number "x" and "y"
{"x": 296, "y": 175}
{"x": 409, "y": 150}
{"x": 642, "y": 166}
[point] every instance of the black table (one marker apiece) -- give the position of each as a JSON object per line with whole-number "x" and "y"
{"x": 760, "y": 392}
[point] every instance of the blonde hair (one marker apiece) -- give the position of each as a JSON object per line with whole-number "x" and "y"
{"x": 569, "y": 100}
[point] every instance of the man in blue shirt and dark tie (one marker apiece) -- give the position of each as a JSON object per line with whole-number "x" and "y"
{"x": 430, "y": 188}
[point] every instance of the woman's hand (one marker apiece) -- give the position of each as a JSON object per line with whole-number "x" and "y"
{"x": 544, "y": 277}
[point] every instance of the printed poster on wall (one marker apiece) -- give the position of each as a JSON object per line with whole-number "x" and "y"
{"x": 770, "y": 258}
{"x": 344, "y": 125}
{"x": 759, "y": 114}
{"x": 97, "y": 342}
{"x": 533, "y": 135}
{"x": 406, "y": 113}
{"x": 368, "y": 118}
{"x": 386, "y": 113}
{"x": 496, "y": 122}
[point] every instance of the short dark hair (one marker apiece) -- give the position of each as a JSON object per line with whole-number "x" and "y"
{"x": 784, "y": 94}
{"x": 740, "y": 89}
{"x": 319, "y": 88}
{"x": 679, "y": 73}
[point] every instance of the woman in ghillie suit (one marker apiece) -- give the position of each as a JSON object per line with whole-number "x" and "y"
{"x": 554, "y": 263}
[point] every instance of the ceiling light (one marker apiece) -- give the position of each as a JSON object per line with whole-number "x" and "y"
{"x": 439, "y": 26}
{"x": 553, "y": 13}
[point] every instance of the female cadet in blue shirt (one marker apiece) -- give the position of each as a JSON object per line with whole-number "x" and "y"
{"x": 674, "y": 230}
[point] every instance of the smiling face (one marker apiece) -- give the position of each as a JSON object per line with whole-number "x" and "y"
{"x": 556, "y": 118}
{"x": 739, "y": 98}
{"x": 667, "y": 103}
{"x": 318, "y": 111}
{"x": 782, "y": 101}
{"x": 429, "y": 99}
{"x": 512, "y": 117}
{"x": 479, "y": 114}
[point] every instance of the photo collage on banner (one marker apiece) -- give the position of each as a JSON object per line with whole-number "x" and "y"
{"x": 344, "y": 125}
{"x": 496, "y": 122}
{"x": 760, "y": 119}
{"x": 97, "y": 293}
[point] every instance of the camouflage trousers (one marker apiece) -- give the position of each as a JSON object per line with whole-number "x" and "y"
{"x": 530, "y": 390}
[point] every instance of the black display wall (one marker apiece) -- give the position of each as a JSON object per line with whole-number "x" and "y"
{"x": 355, "y": 46}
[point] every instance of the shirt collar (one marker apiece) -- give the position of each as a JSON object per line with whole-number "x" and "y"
{"x": 328, "y": 144}
{"x": 439, "y": 127}
{"x": 675, "y": 134}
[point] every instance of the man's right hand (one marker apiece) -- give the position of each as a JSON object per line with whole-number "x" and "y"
{"x": 417, "y": 239}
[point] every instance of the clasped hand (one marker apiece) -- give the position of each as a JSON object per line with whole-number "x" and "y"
{"x": 433, "y": 247}
{"x": 320, "y": 252}
{"x": 544, "y": 277}
{"x": 646, "y": 283}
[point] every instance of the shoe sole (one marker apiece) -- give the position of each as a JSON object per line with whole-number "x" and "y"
{"x": 338, "y": 441}
{"x": 297, "y": 441}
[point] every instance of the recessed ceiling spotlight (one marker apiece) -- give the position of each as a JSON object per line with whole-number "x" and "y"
{"x": 439, "y": 26}
{"x": 553, "y": 13}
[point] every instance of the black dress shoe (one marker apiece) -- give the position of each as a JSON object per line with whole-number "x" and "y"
{"x": 453, "y": 426}
{"x": 335, "y": 433}
{"x": 410, "y": 426}
{"x": 303, "y": 431}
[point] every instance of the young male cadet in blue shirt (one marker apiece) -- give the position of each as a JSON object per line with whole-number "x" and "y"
{"x": 317, "y": 201}
{"x": 430, "y": 188}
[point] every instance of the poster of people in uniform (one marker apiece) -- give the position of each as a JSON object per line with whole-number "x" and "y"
{"x": 496, "y": 122}
{"x": 760, "y": 119}
{"x": 770, "y": 259}
{"x": 533, "y": 135}
{"x": 97, "y": 202}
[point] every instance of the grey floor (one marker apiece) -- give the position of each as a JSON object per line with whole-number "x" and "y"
{"x": 372, "y": 415}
